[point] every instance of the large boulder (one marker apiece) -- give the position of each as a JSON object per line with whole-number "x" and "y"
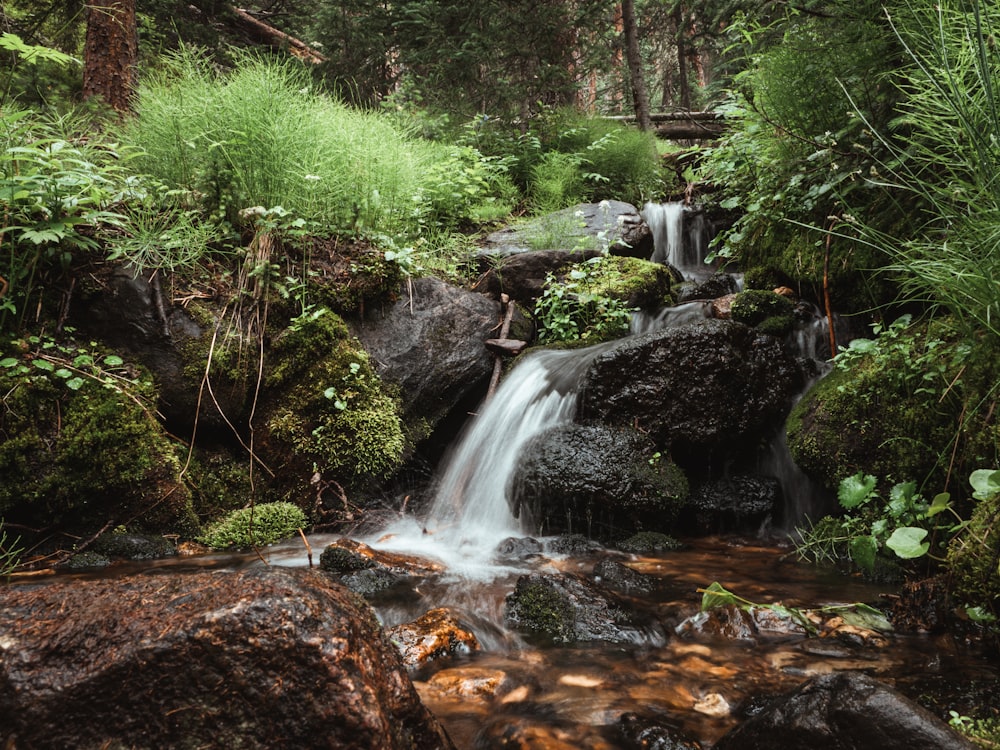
{"x": 430, "y": 345}
{"x": 598, "y": 480}
{"x": 261, "y": 658}
{"x": 843, "y": 711}
{"x": 704, "y": 391}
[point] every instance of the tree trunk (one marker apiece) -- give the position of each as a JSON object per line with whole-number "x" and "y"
{"x": 682, "y": 58}
{"x": 640, "y": 96}
{"x": 110, "y": 53}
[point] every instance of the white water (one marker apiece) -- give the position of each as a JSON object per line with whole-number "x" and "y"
{"x": 666, "y": 222}
{"x": 471, "y": 512}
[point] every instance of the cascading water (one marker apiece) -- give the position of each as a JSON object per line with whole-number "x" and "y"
{"x": 470, "y": 514}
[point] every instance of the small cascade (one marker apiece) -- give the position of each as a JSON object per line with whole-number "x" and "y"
{"x": 678, "y": 315}
{"x": 470, "y": 514}
{"x": 679, "y": 238}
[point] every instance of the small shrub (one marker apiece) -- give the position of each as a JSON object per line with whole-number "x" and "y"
{"x": 571, "y": 310}
{"x": 255, "y": 526}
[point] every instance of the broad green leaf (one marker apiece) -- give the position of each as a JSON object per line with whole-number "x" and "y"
{"x": 856, "y": 490}
{"x": 908, "y": 542}
{"x": 864, "y": 616}
{"x": 717, "y": 596}
{"x": 74, "y": 384}
{"x": 941, "y": 502}
{"x": 979, "y": 614}
{"x": 113, "y": 360}
{"x": 863, "y": 550}
{"x": 8, "y": 362}
{"x": 43, "y": 364}
{"x": 985, "y": 483}
{"x": 63, "y": 373}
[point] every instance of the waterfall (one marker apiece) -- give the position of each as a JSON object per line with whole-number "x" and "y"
{"x": 666, "y": 222}
{"x": 471, "y": 514}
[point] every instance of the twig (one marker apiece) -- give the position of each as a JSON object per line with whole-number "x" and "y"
{"x": 504, "y": 330}
{"x": 309, "y": 549}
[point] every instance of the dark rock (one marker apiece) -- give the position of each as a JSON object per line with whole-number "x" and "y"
{"x": 133, "y": 546}
{"x": 565, "y": 610}
{"x": 717, "y": 285}
{"x": 731, "y": 504}
{"x": 571, "y": 544}
{"x": 843, "y": 711}
{"x": 338, "y": 559}
{"x": 370, "y": 581}
{"x": 703, "y": 390}
{"x": 260, "y": 658}
{"x": 648, "y": 734}
{"x": 648, "y": 542}
{"x": 620, "y": 577}
{"x": 434, "y": 635}
{"x": 595, "y": 480}
{"x": 430, "y": 345}
{"x": 522, "y": 276}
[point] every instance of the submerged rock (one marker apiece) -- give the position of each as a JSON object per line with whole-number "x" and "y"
{"x": 433, "y": 635}
{"x": 648, "y": 734}
{"x": 565, "y": 610}
{"x": 261, "y": 658}
{"x": 843, "y": 711}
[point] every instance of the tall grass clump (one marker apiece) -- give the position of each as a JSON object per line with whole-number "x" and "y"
{"x": 261, "y": 135}
{"x": 945, "y": 157}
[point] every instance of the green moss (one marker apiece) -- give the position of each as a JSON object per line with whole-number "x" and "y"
{"x": 80, "y": 444}
{"x": 538, "y": 607}
{"x": 973, "y": 557}
{"x": 328, "y": 407}
{"x": 771, "y": 313}
{"x": 637, "y": 282}
{"x": 649, "y": 542}
{"x": 254, "y": 526}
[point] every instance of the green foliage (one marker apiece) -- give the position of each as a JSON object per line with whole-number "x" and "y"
{"x": 33, "y": 71}
{"x": 168, "y": 238}
{"x": 10, "y": 552}
{"x": 556, "y": 182}
{"x": 54, "y": 193}
{"x": 571, "y": 310}
{"x": 461, "y": 186}
{"x": 901, "y": 523}
{"x": 973, "y": 555}
{"x": 255, "y": 526}
{"x": 262, "y": 136}
{"x": 984, "y": 732}
{"x": 943, "y": 157}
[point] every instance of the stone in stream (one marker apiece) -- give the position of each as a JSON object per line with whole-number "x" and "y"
{"x": 259, "y": 658}
{"x": 843, "y": 711}
{"x": 433, "y": 635}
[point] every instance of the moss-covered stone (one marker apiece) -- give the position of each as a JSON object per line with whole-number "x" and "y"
{"x": 538, "y": 607}
{"x": 637, "y": 282}
{"x": 649, "y": 542}
{"x": 327, "y": 410}
{"x": 80, "y": 445}
{"x": 973, "y": 558}
{"x": 769, "y": 312}
{"x": 257, "y": 525}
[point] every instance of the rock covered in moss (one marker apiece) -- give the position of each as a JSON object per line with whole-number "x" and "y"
{"x": 326, "y": 410}
{"x": 767, "y": 311}
{"x": 254, "y": 659}
{"x": 257, "y": 525}
{"x": 592, "y": 478}
{"x": 648, "y": 542}
{"x": 80, "y": 443}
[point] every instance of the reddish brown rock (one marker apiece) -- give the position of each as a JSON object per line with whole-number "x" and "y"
{"x": 263, "y": 658}
{"x": 435, "y": 634}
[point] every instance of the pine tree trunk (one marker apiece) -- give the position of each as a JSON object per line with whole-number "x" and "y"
{"x": 110, "y": 53}
{"x": 682, "y": 58}
{"x": 640, "y": 96}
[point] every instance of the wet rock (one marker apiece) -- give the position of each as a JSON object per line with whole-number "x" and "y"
{"x": 648, "y": 542}
{"x": 714, "y": 287}
{"x": 434, "y": 635}
{"x": 730, "y": 622}
{"x": 619, "y": 577}
{"x": 731, "y": 504}
{"x": 565, "y": 610}
{"x": 338, "y": 559}
{"x": 595, "y": 479}
{"x": 519, "y": 548}
{"x": 471, "y": 682}
{"x": 430, "y": 345}
{"x": 133, "y": 546}
{"x": 843, "y": 711}
{"x": 571, "y": 544}
{"x": 648, "y": 734}
{"x": 703, "y": 390}
{"x": 398, "y": 564}
{"x": 260, "y": 658}
{"x": 521, "y": 276}
{"x": 370, "y": 581}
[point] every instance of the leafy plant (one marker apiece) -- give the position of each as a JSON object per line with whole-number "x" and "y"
{"x": 903, "y": 523}
{"x": 573, "y": 310}
{"x": 857, "y": 614}
{"x": 257, "y": 525}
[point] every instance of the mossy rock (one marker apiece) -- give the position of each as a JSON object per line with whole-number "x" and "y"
{"x": 973, "y": 556}
{"x": 637, "y": 282}
{"x": 326, "y": 408}
{"x": 649, "y": 542}
{"x": 897, "y": 416}
{"x": 768, "y": 312}
{"x": 80, "y": 444}
{"x": 539, "y": 607}
{"x": 257, "y": 525}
